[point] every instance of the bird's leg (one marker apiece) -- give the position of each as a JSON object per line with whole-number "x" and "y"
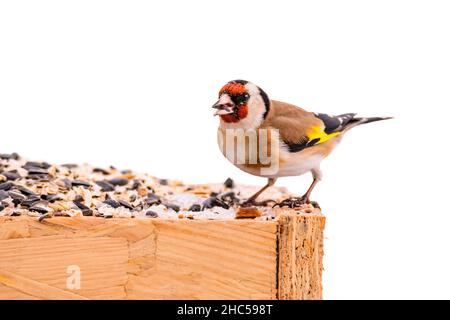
{"x": 298, "y": 201}
{"x": 305, "y": 197}
{"x": 252, "y": 200}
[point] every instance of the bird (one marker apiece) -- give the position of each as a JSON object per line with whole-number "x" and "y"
{"x": 297, "y": 143}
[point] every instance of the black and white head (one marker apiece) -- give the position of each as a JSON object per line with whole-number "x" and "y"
{"x": 242, "y": 104}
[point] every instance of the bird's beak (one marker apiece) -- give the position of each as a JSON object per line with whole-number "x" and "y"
{"x": 224, "y": 106}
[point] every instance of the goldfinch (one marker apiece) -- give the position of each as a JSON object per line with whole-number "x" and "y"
{"x": 295, "y": 140}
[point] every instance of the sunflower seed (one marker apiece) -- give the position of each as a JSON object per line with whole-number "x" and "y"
{"x": 86, "y": 211}
{"x": 11, "y": 175}
{"x": 1, "y": 208}
{"x": 105, "y": 185}
{"x": 195, "y": 208}
{"x": 3, "y": 195}
{"x": 6, "y": 185}
{"x": 78, "y": 198}
{"x": 172, "y": 206}
{"x": 17, "y": 195}
{"x": 229, "y": 197}
{"x": 25, "y": 191}
{"x": 125, "y": 204}
{"x": 30, "y": 201}
{"x": 214, "y": 202}
{"x": 6, "y": 156}
{"x": 229, "y": 183}
{"x": 15, "y": 213}
{"x": 35, "y": 170}
{"x": 80, "y": 205}
{"x": 151, "y": 214}
{"x": 118, "y": 182}
{"x": 35, "y": 164}
{"x": 38, "y": 209}
{"x": 152, "y": 199}
{"x": 51, "y": 198}
{"x": 111, "y": 202}
{"x": 39, "y": 177}
{"x": 163, "y": 182}
{"x": 100, "y": 170}
{"x": 136, "y": 185}
{"x": 76, "y": 183}
{"x": 67, "y": 183}
{"x": 69, "y": 165}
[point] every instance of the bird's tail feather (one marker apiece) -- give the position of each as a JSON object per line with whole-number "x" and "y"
{"x": 363, "y": 120}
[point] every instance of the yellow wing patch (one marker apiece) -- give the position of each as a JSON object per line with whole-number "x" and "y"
{"x": 317, "y": 132}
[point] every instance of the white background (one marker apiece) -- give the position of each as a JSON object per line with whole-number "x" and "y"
{"x": 131, "y": 83}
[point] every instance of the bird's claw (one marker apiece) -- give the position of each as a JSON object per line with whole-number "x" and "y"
{"x": 254, "y": 203}
{"x": 295, "y": 202}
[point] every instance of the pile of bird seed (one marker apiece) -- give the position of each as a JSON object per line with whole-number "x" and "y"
{"x": 45, "y": 190}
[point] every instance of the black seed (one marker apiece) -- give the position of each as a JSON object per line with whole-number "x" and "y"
{"x": 15, "y": 213}
{"x": 11, "y": 175}
{"x": 113, "y": 203}
{"x": 67, "y": 183}
{"x": 213, "y": 194}
{"x": 3, "y": 195}
{"x": 136, "y": 185}
{"x": 41, "y": 218}
{"x": 80, "y": 205}
{"x": 77, "y": 183}
{"x": 6, "y": 185}
{"x": 152, "y": 199}
{"x": 78, "y": 198}
{"x": 17, "y": 195}
{"x": 6, "y": 156}
{"x": 214, "y": 202}
{"x": 53, "y": 198}
{"x": 69, "y": 165}
{"x": 229, "y": 197}
{"x": 25, "y": 191}
{"x": 87, "y": 212}
{"x": 1, "y": 207}
{"x": 100, "y": 170}
{"x": 105, "y": 185}
{"x": 30, "y": 201}
{"x": 118, "y": 181}
{"x": 125, "y": 204}
{"x": 163, "y": 182}
{"x": 34, "y": 164}
{"x": 195, "y": 208}
{"x": 36, "y": 170}
{"x": 172, "y": 206}
{"x": 229, "y": 183}
{"x": 38, "y": 209}
{"x": 84, "y": 209}
{"x": 125, "y": 171}
{"x": 40, "y": 177}
{"x": 149, "y": 213}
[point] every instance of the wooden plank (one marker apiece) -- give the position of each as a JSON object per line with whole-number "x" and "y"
{"x": 102, "y": 263}
{"x": 164, "y": 259}
{"x": 210, "y": 260}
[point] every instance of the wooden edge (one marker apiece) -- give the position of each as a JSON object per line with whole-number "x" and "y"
{"x": 35, "y": 288}
{"x": 300, "y": 247}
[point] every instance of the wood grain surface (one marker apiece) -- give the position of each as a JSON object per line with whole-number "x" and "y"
{"x": 162, "y": 259}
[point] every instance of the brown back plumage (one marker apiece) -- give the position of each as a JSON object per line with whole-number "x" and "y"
{"x": 291, "y": 121}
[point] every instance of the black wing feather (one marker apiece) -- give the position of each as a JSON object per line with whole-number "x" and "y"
{"x": 335, "y": 123}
